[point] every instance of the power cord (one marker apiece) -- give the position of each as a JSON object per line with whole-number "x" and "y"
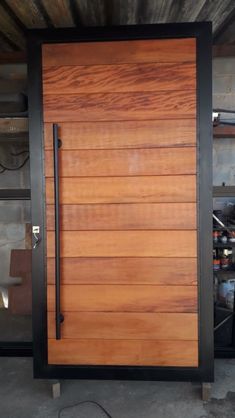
{"x": 82, "y": 403}
{"x": 4, "y": 168}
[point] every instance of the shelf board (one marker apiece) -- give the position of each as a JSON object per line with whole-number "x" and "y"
{"x": 222, "y": 245}
{"x": 224, "y": 191}
{"x": 229, "y": 271}
{"x": 224, "y": 131}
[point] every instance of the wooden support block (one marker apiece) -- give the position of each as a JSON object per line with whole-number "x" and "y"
{"x": 55, "y": 386}
{"x": 206, "y": 391}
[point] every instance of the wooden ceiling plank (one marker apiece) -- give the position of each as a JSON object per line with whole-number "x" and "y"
{"x": 228, "y": 35}
{"x": 123, "y": 13}
{"x": 5, "y": 45}
{"x": 154, "y": 11}
{"x": 59, "y": 13}
{"x": 10, "y": 29}
{"x": 226, "y": 31}
{"x": 185, "y": 10}
{"x": 28, "y": 12}
{"x": 216, "y": 11}
{"x": 92, "y": 12}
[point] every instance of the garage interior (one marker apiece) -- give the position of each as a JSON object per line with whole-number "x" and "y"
{"x": 121, "y": 399}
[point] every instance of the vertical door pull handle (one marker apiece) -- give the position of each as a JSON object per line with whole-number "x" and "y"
{"x": 58, "y": 315}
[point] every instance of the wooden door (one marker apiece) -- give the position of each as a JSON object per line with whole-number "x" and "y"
{"x": 126, "y": 112}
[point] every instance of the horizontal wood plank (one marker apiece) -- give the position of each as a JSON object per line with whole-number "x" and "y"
{"x": 124, "y": 216}
{"x": 119, "y": 106}
{"x": 90, "y": 53}
{"x": 123, "y": 352}
{"x": 224, "y": 131}
{"x": 124, "y": 298}
{"x": 124, "y": 189}
{"x": 125, "y": 243}
{"x": 119, "y": 78}
{"x": 138, "y": 162}
{"x": 157, "y": 271}
{"x": 124, "y": 134}
{"x": 114, "y": 325}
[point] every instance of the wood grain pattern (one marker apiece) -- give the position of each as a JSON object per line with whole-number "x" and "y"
{"x": 124, "y": 216}
{"x": 135, "y": 162}
{"x": 125, "y": 244}
{"x": 143, "y": 270}
{"x": 90, "y": 53}
{"x": 123, "y": 352}
{"x": 124, "y": 189}
{"x": 114, "y": 325}
{"x": 127, "y": 117}
{"x": 119, "y": 106}
{"x": 124, "y": 134}
{"x": 124, "y": 298}
{"x": 119, "y": 78}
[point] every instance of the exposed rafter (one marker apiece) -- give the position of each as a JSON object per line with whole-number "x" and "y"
{"x": 18, "y": 15}
{"x": 60, "y": 13}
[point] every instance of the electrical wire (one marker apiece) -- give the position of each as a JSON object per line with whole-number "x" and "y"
{"x": 15, "y": 154}
{"x": 5, "y": 168}
{"x": 82, "y": 403}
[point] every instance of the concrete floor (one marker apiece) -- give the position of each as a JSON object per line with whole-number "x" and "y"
{"x": 23, "y": 397}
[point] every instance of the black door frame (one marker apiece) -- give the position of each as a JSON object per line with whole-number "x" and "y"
{"x": 203, "y": 33}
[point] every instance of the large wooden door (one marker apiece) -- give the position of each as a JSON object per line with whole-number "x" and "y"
{"x": 126, "y": 112}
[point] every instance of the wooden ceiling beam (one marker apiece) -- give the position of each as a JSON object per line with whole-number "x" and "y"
{"x": 183, "y": 11}
{"x": 5, "y": 44}
{"x": 28, "y": 12}
{"x": 226, "y": 32}
{"x": 216, "y": 11}
{"x": 122, "y": 13}
{"x": 11, "y": 30}
{"x": 59, "y": 12}
{"x": 92, "y": 12}
{"x": 151, "y": 11}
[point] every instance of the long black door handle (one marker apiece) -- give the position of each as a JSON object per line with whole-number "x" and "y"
{"x": 58, "y": 316}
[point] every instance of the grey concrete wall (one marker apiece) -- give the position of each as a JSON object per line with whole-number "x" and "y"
{"x": 224, "y": 97}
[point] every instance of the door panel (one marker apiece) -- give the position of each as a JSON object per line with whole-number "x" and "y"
{"x": 128, "y": 201}
{"x": 115, "y": 325}
{"x": 124, "y": 270}
{"x": 125, "y": 298}
{"x": 119, "y": 78}
{"x": 125, "y": 134}
{"x": 75, "y": 190}
{"x": 161, "y": 50}
{"x": 120, "y": 106}
{"x": 125, "y": 244}
{"x": 123, "y": 352}
{"x": 124, "y": 216}
{"x": 148, "y": 162}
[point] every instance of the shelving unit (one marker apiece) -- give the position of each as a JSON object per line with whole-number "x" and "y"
{"x": 224, "y": 328}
